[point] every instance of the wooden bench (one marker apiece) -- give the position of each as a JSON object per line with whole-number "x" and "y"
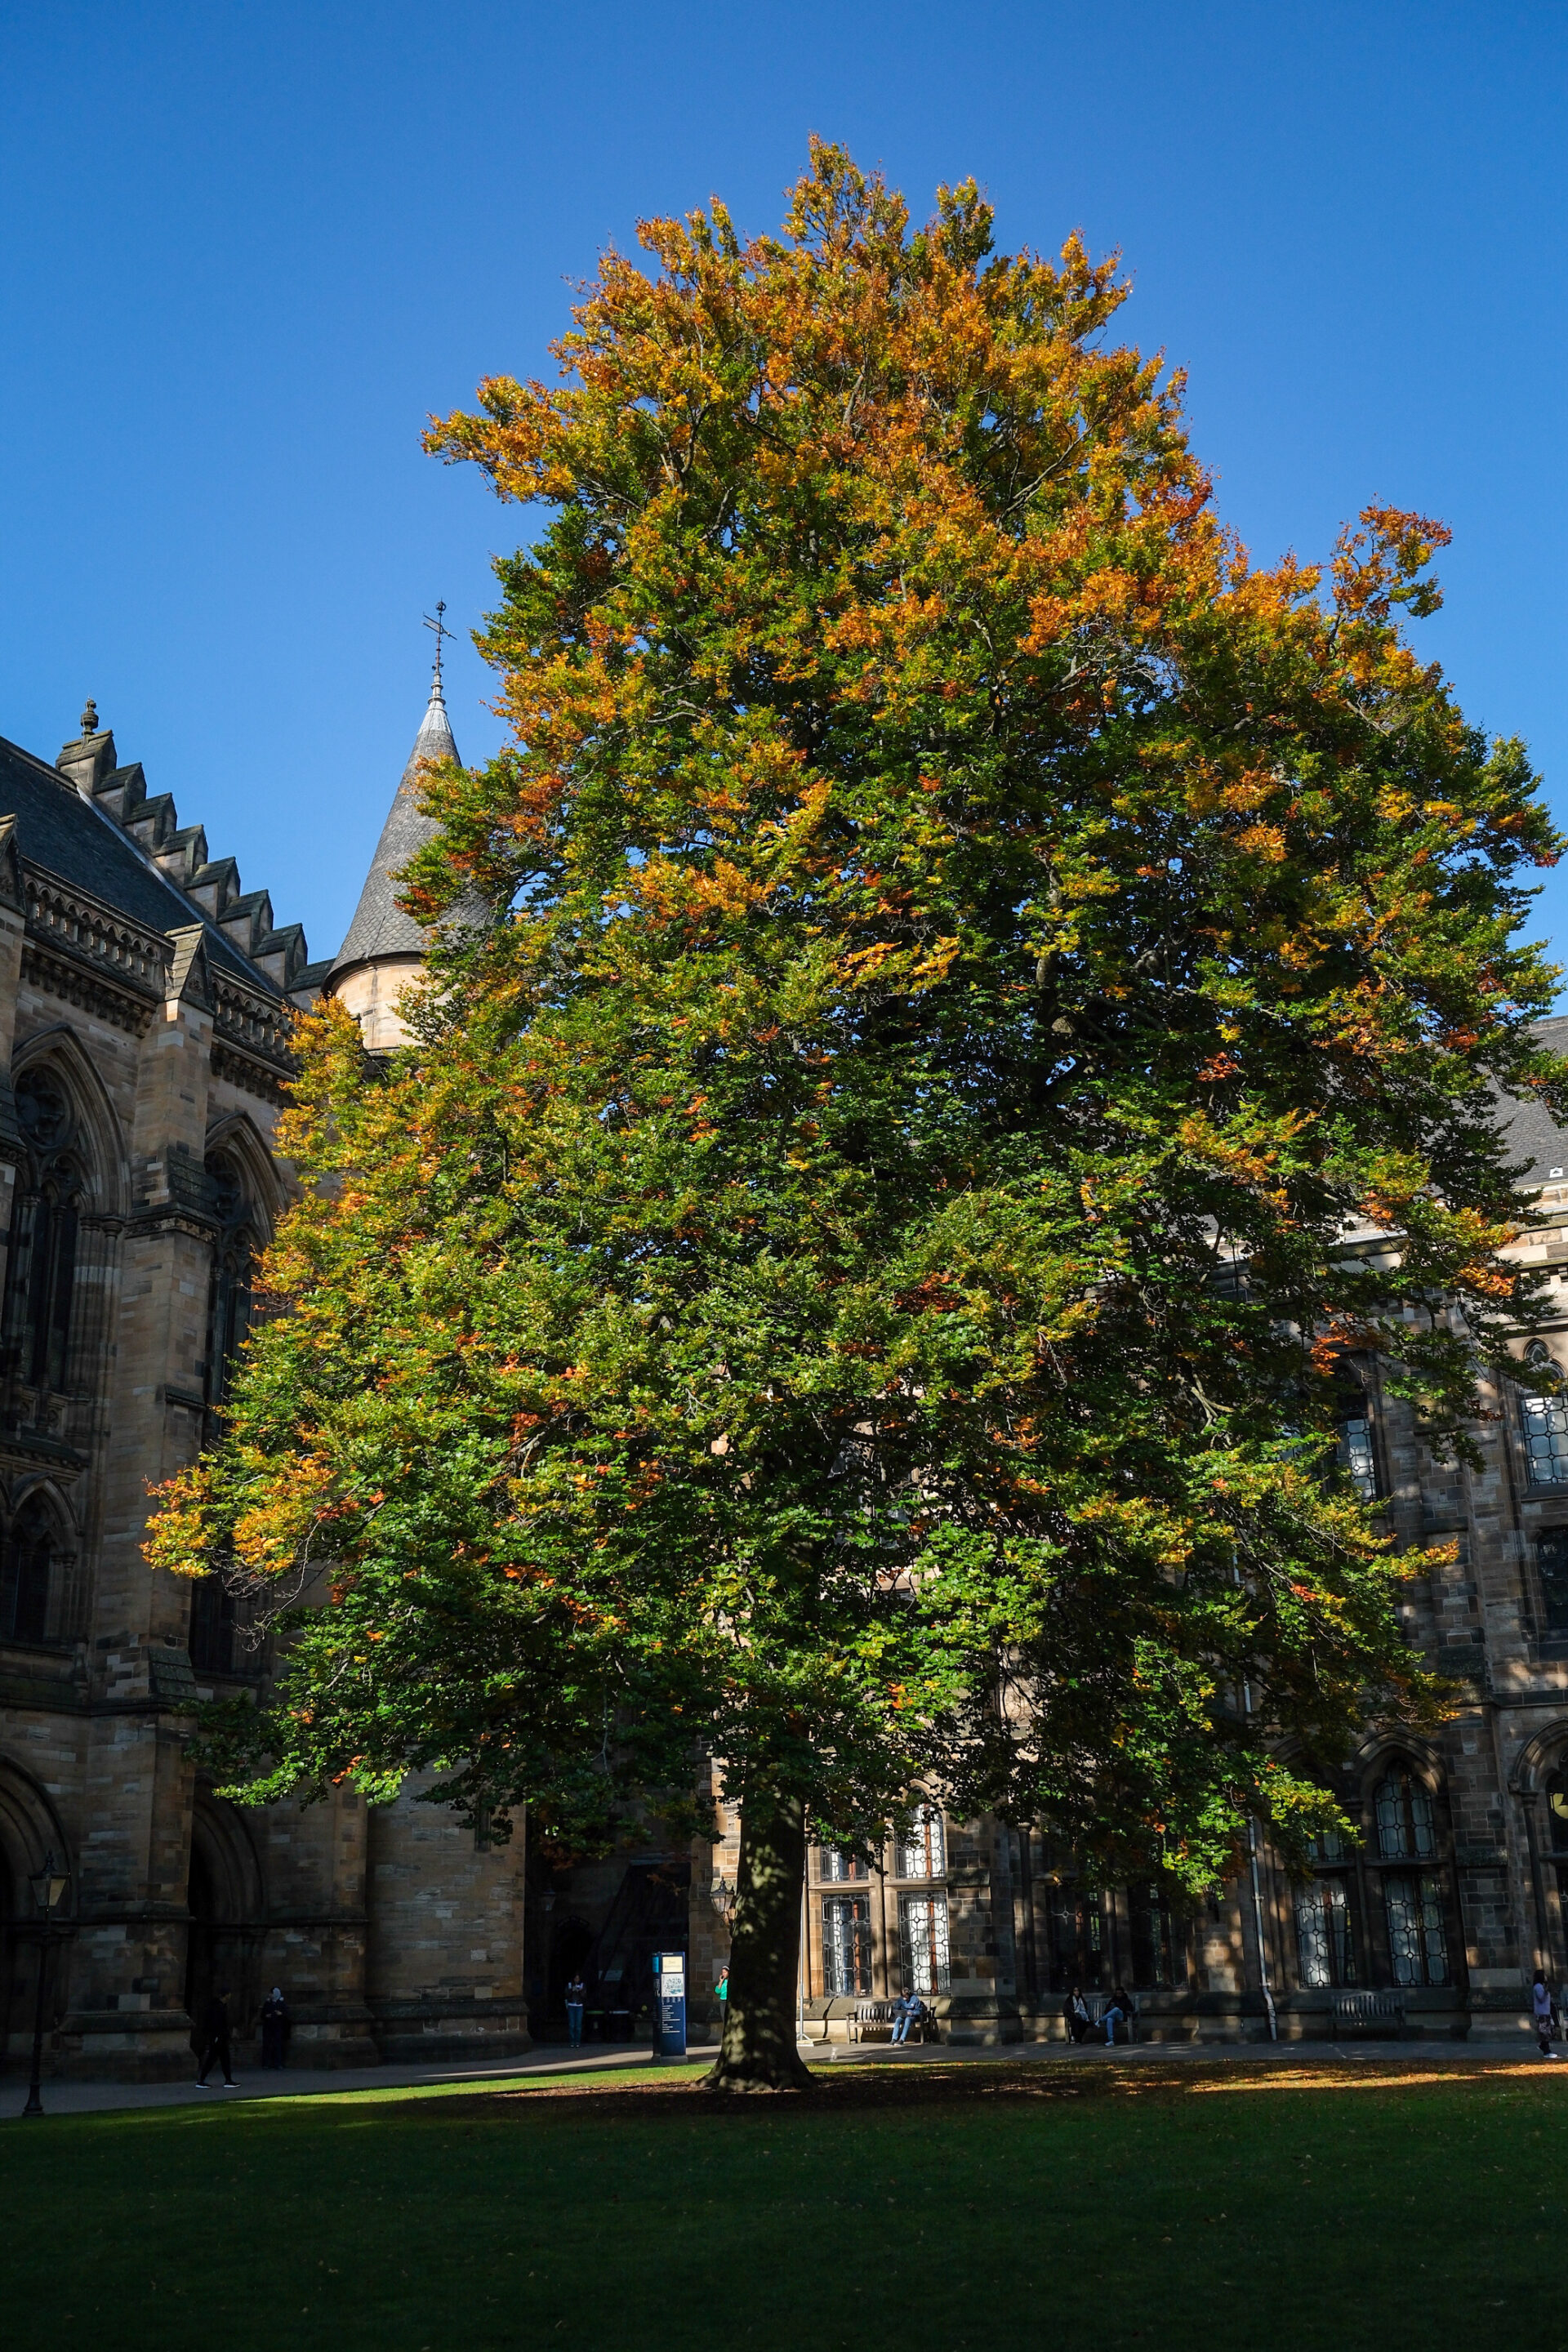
{"x": 871, "y": 2021}
{"x": 1369, "y": 2013}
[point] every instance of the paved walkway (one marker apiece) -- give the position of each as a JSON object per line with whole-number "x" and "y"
{"x": 68, "y": 2098}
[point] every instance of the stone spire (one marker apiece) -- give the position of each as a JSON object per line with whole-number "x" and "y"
{"x": 384, "y": 947}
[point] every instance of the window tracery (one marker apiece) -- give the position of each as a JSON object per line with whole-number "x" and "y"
{"x": 41, "y": 1270}
{"x": 1544, "y": 1419}
{"x": 922, "y": 1850}
{"x": 1412, "y": 1900}
{"x": 27, "y": 1579}
{"x": 922, "y": 1920}
{"x": 230, "y": 1285}
{"x": 847, "y": 1945}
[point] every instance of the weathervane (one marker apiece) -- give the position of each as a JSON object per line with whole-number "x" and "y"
{"x": 439, "y": 625}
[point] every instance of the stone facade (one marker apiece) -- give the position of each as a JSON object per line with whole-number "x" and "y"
{"x": 144, "y": 1007}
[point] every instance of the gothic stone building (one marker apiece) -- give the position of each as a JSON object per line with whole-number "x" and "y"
{"x": 144, "y": 1003}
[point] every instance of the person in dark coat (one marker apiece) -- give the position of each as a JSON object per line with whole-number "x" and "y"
{"x": 275, "y": 2024}
{"x": 215, "y": 2039}
{"x": 1075, "y": 2010}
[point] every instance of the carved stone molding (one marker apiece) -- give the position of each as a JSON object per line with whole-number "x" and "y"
{"x": 259, "y": 1078}
{"x": 85, "y": 989}
{"x": 84, "y": 926}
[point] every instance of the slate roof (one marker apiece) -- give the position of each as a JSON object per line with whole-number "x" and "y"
{"x": 380, "y": 926}
{"x": 73, "y": 838}
{"x": 1533, "y": 1134}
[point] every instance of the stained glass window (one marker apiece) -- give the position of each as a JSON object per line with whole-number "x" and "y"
{"x": 924, "y": 1919}
{"x": 836, "y": 1865}
{"x": 846, "y": 1944}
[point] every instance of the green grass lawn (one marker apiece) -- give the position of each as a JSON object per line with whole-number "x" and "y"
{"x": 1051, "y": 2205}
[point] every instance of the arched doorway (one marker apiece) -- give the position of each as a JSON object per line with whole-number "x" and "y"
{"x": 224, "y": 1897}
{"x": 30, "y": 1831}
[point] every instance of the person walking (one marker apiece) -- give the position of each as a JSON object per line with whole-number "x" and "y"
{"x": 1076, "y": 2016}
{"x": 721, "y": 1995}
{"x": 576, "y": 1994}
{"x": 275, "y": 2025}
{"x": 1540, "y": 2012}
{"x": 215, "y": 2039}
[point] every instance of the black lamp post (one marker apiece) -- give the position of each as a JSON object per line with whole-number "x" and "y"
{"x": 47, "y": 1885}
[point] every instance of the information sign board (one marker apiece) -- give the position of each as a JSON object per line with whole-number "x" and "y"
{"x": 669, "y": 2004}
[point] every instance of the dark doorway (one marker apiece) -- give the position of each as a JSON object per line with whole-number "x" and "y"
{"x": 201, "y": 1958}
{"x": 568, "y": 1954}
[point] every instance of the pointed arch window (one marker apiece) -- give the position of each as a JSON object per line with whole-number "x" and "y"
{"x": 1405, "y": 1831}
{"x": 1543, "y": 1416}
{"x": 230, "y": 1285}
{"x": 27, "y": 1564}
{"x": 1412, "y": 1899}
{"x": 1557, "y": 1812}
{"x": 41, "y": 1269}
{"x": 1557, "y": 1831}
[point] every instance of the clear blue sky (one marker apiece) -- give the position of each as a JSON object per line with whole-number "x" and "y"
{"x": 248, "y": 248}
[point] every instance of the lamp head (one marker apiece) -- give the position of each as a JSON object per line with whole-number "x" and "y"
{"x": 47, "y": 1885}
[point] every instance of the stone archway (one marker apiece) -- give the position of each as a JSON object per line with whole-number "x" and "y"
{"x": 30, "y": 1829}
{"x": 225, "y": 1897}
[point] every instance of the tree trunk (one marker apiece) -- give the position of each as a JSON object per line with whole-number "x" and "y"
{"x": 759, "y": 2052}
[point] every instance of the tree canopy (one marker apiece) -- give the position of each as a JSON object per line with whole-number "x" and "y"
{"x": 854, "y": 1274}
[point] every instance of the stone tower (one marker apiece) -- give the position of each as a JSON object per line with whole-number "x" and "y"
{"x": 385, "y": 949}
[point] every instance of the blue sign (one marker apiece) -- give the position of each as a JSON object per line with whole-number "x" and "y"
{"x": 669, "y": 2004}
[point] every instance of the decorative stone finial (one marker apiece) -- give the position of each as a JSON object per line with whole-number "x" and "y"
{"x": 90, "y": 718}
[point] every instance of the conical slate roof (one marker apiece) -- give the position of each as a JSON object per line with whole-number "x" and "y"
{"x": 380, "y": 926}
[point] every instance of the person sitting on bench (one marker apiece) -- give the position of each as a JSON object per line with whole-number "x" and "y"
{"x": 1119, "y": 2012}
{"x": 906, "y": 2010}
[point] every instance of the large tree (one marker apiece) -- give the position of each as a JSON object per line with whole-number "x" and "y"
{"x": 853, "y": 1277}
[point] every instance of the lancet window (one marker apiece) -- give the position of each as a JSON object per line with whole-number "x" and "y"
{"x": 1412, "y": 1900}
{"x": 41, "y": 1270}
{"x": 26, "y": 1575}
{"x": 229, "y": 1286}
